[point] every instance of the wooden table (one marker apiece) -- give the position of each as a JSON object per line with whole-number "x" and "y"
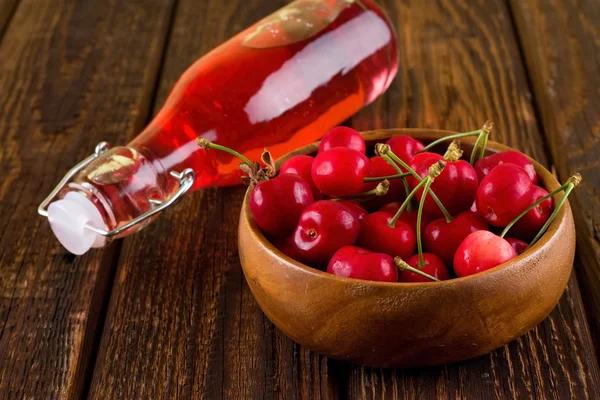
{"x": 167, "y": 313}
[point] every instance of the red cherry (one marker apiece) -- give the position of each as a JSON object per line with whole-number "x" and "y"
{"x": 380, "y": 167}
{"x": 518, "y": 245}
{"x": 302, "y": 165}
{"x": 455, "y": 187}
{"x": 434, "y": 266}
{"x": 342, "y": 136}
{"x": 287, "y": 247}
{"x": 503, "y": 194}
{"x": 276, "y": 204}
{"x": 340, "y": 172}
{"x": 405, "y": 147}
{"x": 322, "y": 229}
{"x": 376, "y": 235}
{"x": 358, "y": 263}
{"x": 531, "y": 223}
{"x": 358, "y": 210}
{"x": 443, "y": 238}
{"x": 480, "y": 251}
{"x": 486, "y": 164}
{"x": 409, "y": 217}
{"x": 473, "y": 207}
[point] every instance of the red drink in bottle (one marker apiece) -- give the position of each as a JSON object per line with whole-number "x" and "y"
{"x": 280, "y": 84}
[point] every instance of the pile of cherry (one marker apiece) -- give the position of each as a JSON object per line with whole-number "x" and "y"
{"x": 406, "y": 214}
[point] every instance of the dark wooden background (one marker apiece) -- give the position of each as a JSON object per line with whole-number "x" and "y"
{"x": 167, "y": 313}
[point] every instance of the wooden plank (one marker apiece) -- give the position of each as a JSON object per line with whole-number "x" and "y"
{"x": 181, "y": 320}
{"x": 561, "y": 47}
{"x": 181, "y": 309}
{"x": 7, "y": 8}
{"x": 72, "y": 74}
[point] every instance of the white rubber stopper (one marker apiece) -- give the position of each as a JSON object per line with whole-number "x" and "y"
{"x": 68, "y": 217}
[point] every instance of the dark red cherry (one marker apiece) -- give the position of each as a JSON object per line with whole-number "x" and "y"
{"x": 531, "y": 223}
{"x": 486, "y": 164}
{"x": 359, "y": 263}
{"x": 340, "y": 172}
{"x": 455, "y": 187}
{"x": 376, "y": 235}
{"x": 287, "y": 247}
{"x": 342, "y": 136}
{"x": 302, "y": 165}
{"x": 518, "y": 245}
{"x": 379, "y": 167}
{"x": 358, "y": 210}
{"x": 503, "y": 194}
{"x": 323, "y": 228}
{"x": 480, "y": 251}
{"x": 276, "y": 204}
{"x": 434, "y": 266}
{"x": 443, "y": 238}
{"x": 405, "y": 147}
{"x": 410, "y": 217}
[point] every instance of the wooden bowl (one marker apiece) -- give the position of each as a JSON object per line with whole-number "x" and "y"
{"x": 409, "y": 324}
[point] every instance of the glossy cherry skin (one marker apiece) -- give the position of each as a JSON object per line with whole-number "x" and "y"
{"x": 396, "y": 191}
{"x": 324, "y": 227}
{"x": 358, "y": 263}
{"x": 530, "y": 224}
{"x": 377, "y": 236}
{"x": 287, "y": 247}
{"x": 455, "y": 187}
{"x": 342, "y": 136}
{"x": 276, "y": 204}
{"x": 503, "y": 194}
{"x": 486, "y": 164}
{"x": 443, "y": 238}
{"x": 410, "y": 217}
{"x": 359, "y": 211}
{"x": 434, "y": 266}
{"x": 405, "y": 147}
{"x": 302, "y": 165}
{"x": 480, "y": 251}
{"x": 518, "y": 245}
{"x": 340, "y": 172}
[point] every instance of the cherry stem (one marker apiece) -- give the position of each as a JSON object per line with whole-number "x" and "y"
{"x": 419, "y": 219}
{"x": 447, "y": 138}
{"x": 205, "y": 144}
{"x": 380, "y": 190}
{"x": 474, "y": 151}
{"x": 406, "y": 202}
{"x": 571, "y": 183}
{"x": 389, "y": 160}
{"x": 434, "y": 171}
{"x": 403, "y": 266}
{"x": 483, "y": 146}
{"x": 485, "y": 130}
{"x": 397, "y": 159}
{"x": 380, "y": 178}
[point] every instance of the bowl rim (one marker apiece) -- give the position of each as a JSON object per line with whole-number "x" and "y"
{"x": 496, "y": 147}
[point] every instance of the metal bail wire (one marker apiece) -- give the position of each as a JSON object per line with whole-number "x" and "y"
{"x": 186, "y": 180}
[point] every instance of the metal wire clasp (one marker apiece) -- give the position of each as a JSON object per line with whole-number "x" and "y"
{"x": 186, "y": 180}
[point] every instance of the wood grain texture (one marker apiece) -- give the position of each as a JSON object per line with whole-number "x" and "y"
{"x": 561, "y": 47}
{"x": 459, "y": 65}
{"x": 72, "y": 74}
{"x": 7, "y": 9}
{"x": 182, "y": 321}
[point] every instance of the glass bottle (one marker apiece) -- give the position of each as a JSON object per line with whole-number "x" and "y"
{"x": 281, "y": 84}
